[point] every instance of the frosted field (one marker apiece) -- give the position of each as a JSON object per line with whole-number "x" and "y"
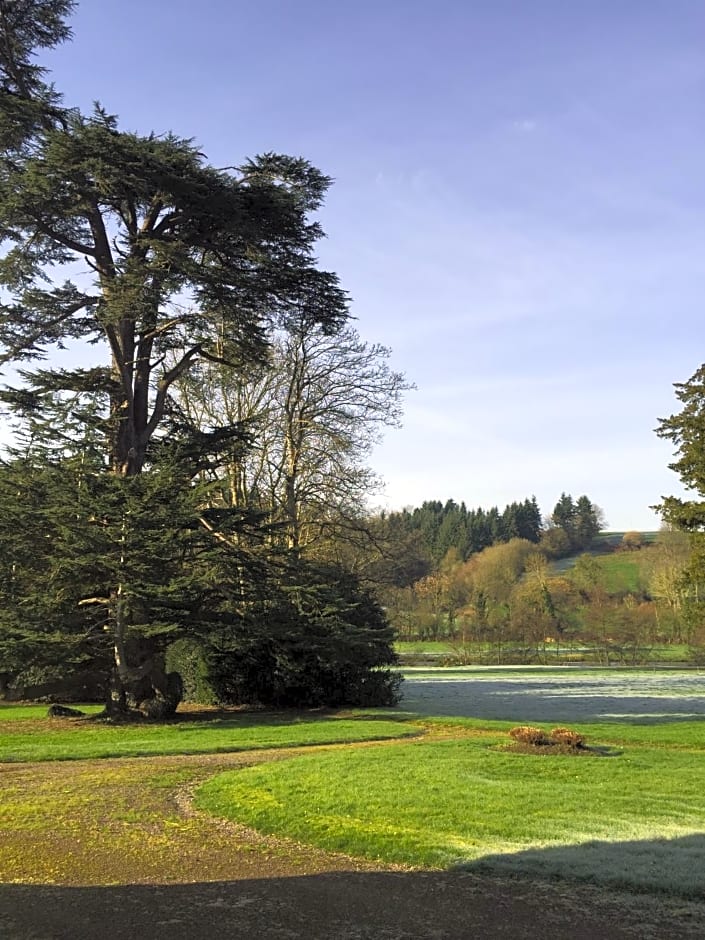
{"x": 526, "y": 695}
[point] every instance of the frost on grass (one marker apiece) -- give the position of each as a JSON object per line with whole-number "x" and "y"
{"x": 575, "y": 696}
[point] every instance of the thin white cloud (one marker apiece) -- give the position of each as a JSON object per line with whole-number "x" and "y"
{"x": 524, "y": 125}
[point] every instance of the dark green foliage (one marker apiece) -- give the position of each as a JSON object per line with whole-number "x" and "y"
{"x": 186, "y": 656}
{"x": 686, "y": 430}
{"x": 189, "y": 263}
{"x": 564, "y": 513}
{"x": 319, "y": 640}
{"x": 79, "y": 547}
{"x": 238, "y": 628}
{"x": 580, "y": 521}
{"x": 451, "y": 525}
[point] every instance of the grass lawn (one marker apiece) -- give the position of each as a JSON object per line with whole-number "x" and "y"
{"x": 433, "y": 651}
{"x": 456, "y": 797}
{"x": 75, "y": 739}
{"x": 623, "y": 570}
{"x": 635, "y": 819}
{"x": 37, "y": 712}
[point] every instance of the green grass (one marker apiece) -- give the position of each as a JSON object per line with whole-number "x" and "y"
{"x": 682, "y": 735}
{"x": 424, "y": 646}
{"x": 675, "y": 653}
{"x": 79, "y": 739}
{"x": 623, "y": 572}
{"x": 621, "y": 578}
{"x": 34, "y": 712}
{"x": 623, "y": 568}
{"x": 636, "y": 819}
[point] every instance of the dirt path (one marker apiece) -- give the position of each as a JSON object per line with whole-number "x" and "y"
{"x": 114, "y": 847}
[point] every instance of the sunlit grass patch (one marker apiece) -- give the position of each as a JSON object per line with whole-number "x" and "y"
{"x": 623, "y": 571}
{"x": 448, "y": 803}
{"x": 34, "y": 712}
{"x": 81, "y": 739}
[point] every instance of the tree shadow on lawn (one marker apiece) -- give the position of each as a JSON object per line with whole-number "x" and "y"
{"x": 345, "y": 905}
{"x": 208, "y": 716}
{"x": 670, "y": 866}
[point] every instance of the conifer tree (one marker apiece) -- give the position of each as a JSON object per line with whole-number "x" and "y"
{"x": 686, "y": 431}
{"x": 173, "y": 262}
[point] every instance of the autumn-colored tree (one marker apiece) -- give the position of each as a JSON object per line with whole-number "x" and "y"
{"x": 667, "y": 566}
{"x": 632, "y": 541}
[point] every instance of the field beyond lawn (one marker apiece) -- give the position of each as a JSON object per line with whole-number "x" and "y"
{"x": 561, "y": 694}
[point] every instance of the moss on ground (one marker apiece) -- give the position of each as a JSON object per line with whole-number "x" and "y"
{"x": 129, "y": 821}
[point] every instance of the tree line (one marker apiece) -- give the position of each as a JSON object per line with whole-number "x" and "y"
{"x": 509, "y": 604}
{"x": 440, "y": 528}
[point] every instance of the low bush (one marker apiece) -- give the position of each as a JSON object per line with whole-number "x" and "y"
{"x": 563, "y": 739}
{"x": 324, "y": 641}
{"x": 526, "y": 734}
{"x": 567, "y": 737}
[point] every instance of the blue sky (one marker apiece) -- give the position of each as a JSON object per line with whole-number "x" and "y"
{"x": 518, "y": 209}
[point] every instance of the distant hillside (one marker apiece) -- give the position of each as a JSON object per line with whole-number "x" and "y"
{"x": 624, "y": 569}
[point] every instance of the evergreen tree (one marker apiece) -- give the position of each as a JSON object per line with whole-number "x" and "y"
{"x": 317, "y": 637}
{"x": 686, "y": 431}
{"x": 530, "y": 523}
{"x": 564, "y": 516}
{"x": 188, "y": 263}
{"x": 183, "y": 264}
{"x": 580, "y": 521}
{"x": 68, "y": 530}
{"x": 588, "y": 522}
{"x": 510, "y": 522}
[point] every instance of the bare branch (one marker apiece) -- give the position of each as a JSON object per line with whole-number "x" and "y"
{"x": 165, "y": 383}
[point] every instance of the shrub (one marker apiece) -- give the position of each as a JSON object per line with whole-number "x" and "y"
{"x": 186, "y": 657}
{"x": 526, "y": 734}
{"x": 323, "y": 640}
{"x": 632, "y": 541}
{"x": 567, "y": 737}
{"x": 563, "y": 738}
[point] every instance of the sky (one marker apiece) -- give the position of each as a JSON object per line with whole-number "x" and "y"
{"x": 518, "y": 209}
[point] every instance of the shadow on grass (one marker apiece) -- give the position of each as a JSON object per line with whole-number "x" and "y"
{"x": 669, "y": 866}
{"x": 340, "y": 906}
{"x": 254, "y": 718}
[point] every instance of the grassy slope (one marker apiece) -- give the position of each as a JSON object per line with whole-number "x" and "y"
{"x": 624, "y": 573}
{"x": 624, "y": 570}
